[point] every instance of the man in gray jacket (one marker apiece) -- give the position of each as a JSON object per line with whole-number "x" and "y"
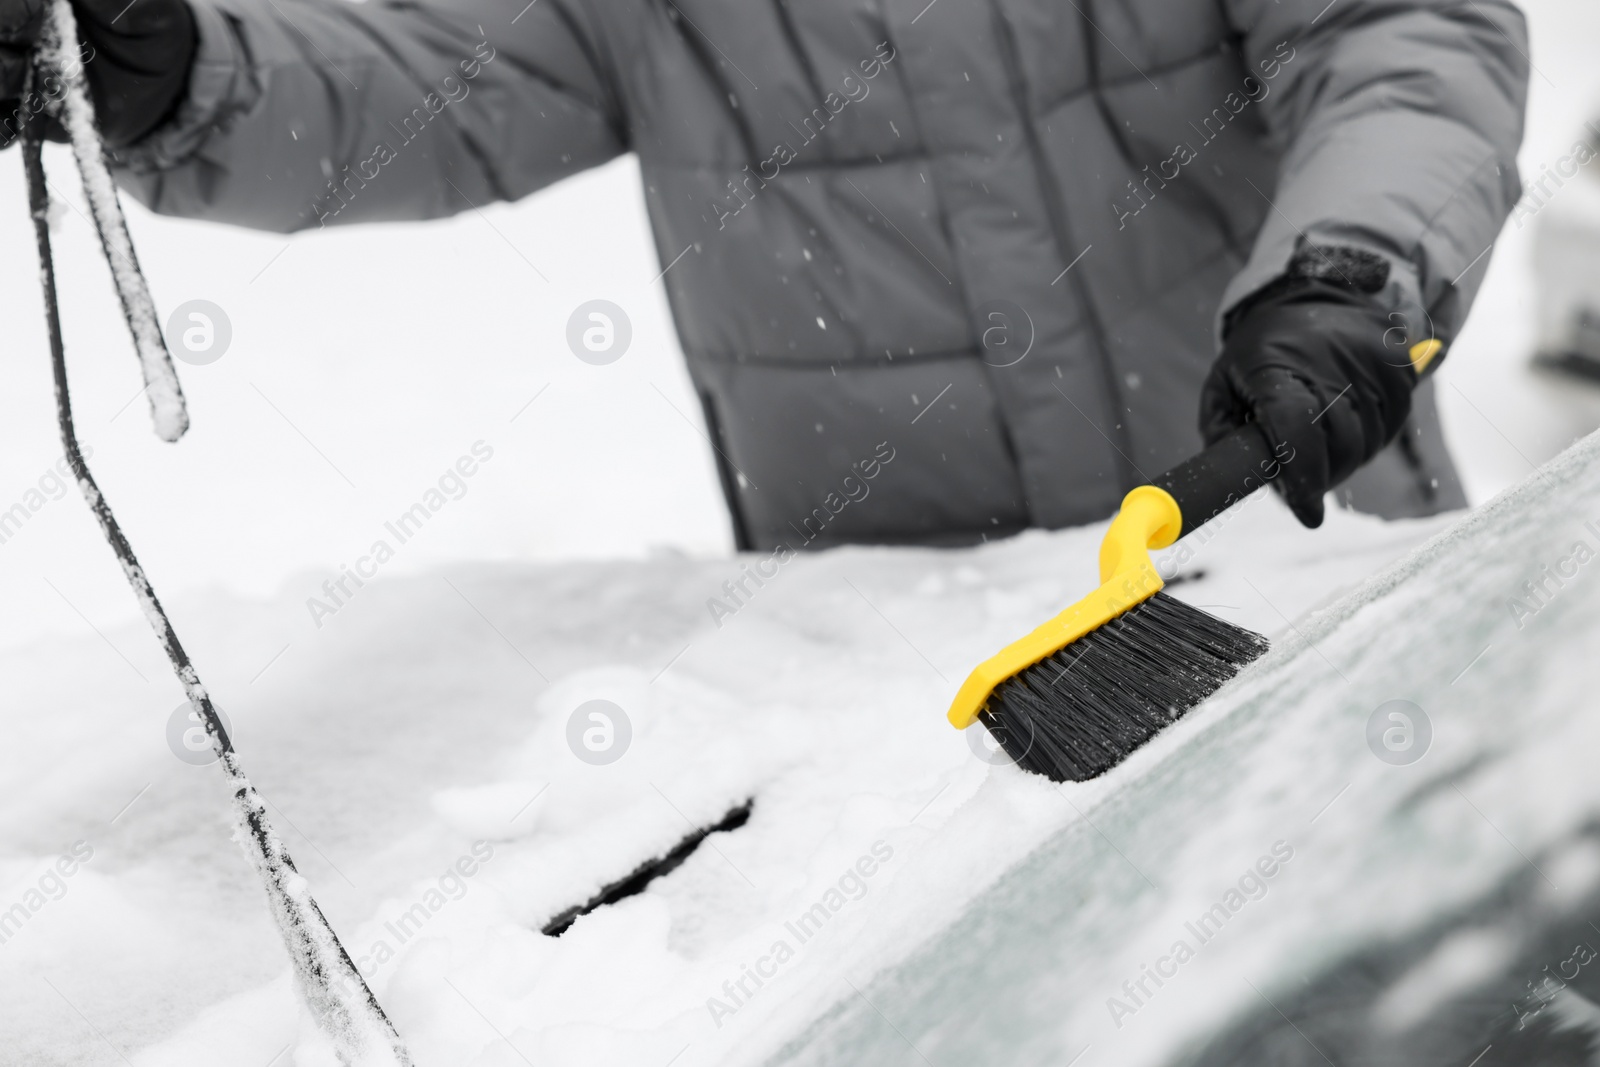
{"x": 985, "y": 253}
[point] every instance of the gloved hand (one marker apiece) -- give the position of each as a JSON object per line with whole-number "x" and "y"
{"x": 1324, "y": 371}
{"x": 137, "y": 62}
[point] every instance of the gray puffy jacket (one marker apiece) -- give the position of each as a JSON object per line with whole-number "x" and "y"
{"x": 941, "y": 270}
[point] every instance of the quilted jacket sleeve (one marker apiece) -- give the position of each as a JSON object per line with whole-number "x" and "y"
{"x": 303, "y": 113}
{"x": 1400, "y": 121}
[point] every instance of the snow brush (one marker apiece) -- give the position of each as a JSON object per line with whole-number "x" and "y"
{"x": 1078, "y": 695}
{"x": 345, "y": 1010}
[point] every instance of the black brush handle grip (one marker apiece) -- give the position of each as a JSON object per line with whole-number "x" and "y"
{"x": 1221, "y": 476}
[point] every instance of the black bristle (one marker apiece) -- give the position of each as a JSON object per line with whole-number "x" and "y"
{"x": 1082, "y": 711}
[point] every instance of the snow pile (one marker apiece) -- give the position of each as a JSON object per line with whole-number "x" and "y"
{"x": 421, "y": 751}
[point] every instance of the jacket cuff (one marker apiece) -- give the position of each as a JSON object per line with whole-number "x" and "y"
{"x": 1391, "y": 282}
{"x": 222, "y": 85}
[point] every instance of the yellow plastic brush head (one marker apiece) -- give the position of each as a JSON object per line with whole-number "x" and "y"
{"x": 1150, "y": 518}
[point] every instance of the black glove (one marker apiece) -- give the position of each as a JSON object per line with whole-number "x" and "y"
{"x": 137, "y": 57}
{"x": 1324, "y": 371}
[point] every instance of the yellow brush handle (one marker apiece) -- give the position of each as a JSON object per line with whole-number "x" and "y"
{"x": 1425, "y": 352}
{"x": 1150, "y": 518}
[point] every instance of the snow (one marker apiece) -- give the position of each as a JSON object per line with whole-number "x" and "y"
{"x": 416, "y": 729}
{"x": 424, "y": 726}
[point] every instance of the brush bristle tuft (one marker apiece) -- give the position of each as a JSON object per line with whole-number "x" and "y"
{"x": 1082, "y": 711}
